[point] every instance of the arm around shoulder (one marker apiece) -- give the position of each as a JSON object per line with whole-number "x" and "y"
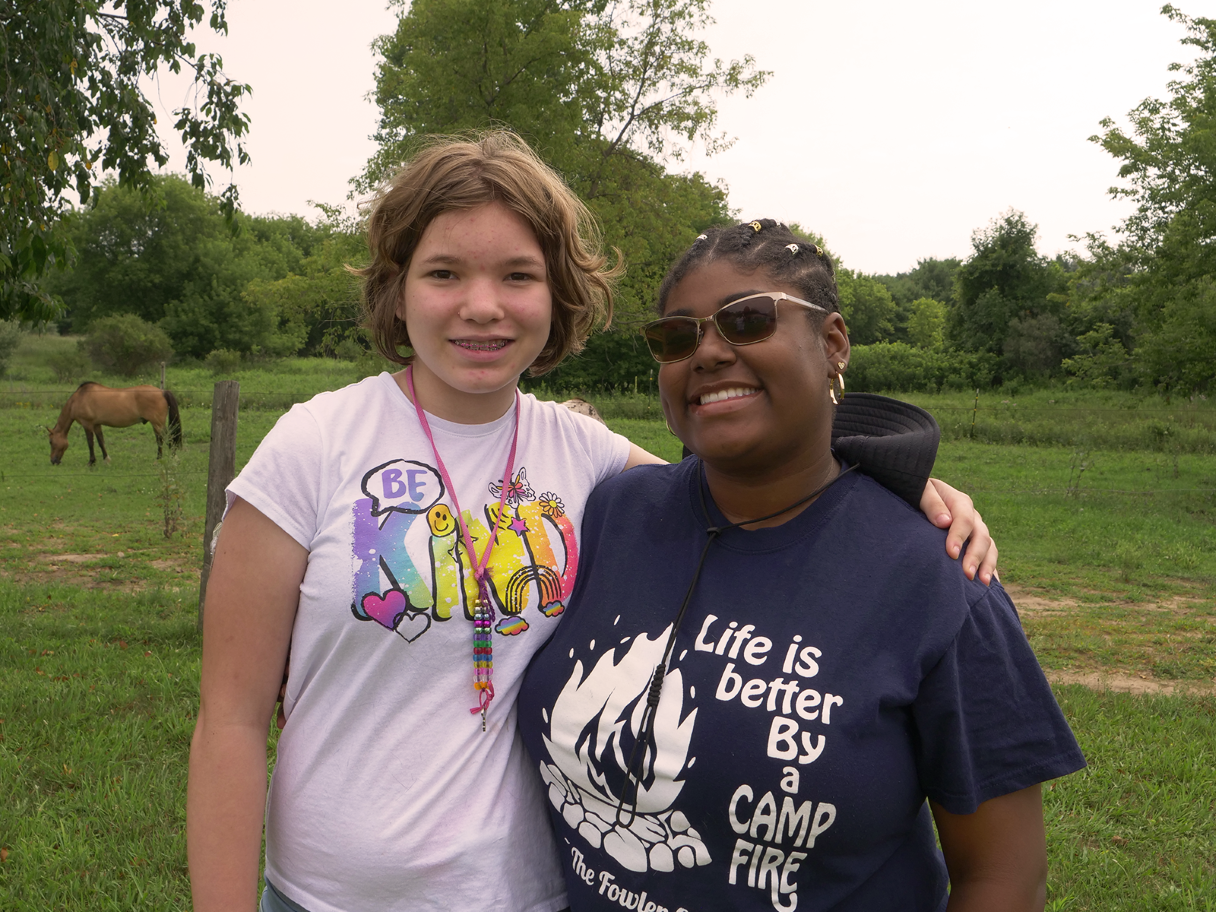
{"x": 638, "y": 456}
{"x": 252, "y": 596}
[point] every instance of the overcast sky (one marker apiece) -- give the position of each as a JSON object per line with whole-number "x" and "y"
{"x": 892, "y": 128}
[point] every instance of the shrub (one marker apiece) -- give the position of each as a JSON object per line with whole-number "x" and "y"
{"x": 348, "y": 350}
{"x": 612, "y": 361}
{"x": 222, "y": 361}
{"x": 898, "y": 367}
{"x": 69, "y": 365}
{"x": 10, "y": 338}
{"x": 125, "y": 344}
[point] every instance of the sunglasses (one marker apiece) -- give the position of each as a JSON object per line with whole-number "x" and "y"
{"x": 743, "y": 322}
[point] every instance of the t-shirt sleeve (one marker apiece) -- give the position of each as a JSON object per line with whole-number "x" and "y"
{"x": 609, "y": 450}
{"x": 987, "y": 723}
{"x": 281, "y": 478}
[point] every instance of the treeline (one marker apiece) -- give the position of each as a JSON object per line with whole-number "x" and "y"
{"x": 613, "y": 95}
{"x": 168, "y": 259}
{"x": 1005, "y": 314}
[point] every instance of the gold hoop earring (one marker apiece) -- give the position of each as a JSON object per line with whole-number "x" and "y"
{"x": 836, "y": 388}
{"x": 667, "y": 424}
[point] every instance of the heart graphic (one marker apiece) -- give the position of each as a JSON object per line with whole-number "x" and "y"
{"x": 388, "y": 610}
{"x": 412, "y": 626}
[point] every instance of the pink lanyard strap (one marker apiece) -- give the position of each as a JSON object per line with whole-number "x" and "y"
{"x": 483, "y": 620}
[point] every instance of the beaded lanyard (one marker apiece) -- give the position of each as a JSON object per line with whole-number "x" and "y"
{"x": 483, "y": 608}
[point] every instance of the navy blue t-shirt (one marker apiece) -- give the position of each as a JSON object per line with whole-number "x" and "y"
{"x": 830, "y": 673}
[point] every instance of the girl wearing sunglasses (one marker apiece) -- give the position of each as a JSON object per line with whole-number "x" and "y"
{"x": 415, "y": 539}
{"x": 772, "y": 684}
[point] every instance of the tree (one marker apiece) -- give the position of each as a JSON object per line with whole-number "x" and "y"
{"x": 607, "y": 92}
{"x": 1167, "y": 249}
{"x": 73, "y": 109}
{"x": 168, "y": 257}
{"x": 1003, "y": 279}
{"x": 318, "y": 302}
{"x": 1168, "y": 157}
{"x": 866, "y": 305}
{"x": 865, "y": 301}
{"x": 137, "y": 251}
{"x": 1035, "y": 345}
{"x": 926, "y": 323}
{"x": 932, "y": 278}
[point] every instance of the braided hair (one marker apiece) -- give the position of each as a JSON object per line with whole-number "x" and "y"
{"x": 764, "y": 246}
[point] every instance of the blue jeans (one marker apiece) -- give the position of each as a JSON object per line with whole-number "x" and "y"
{"x": 274, "y": 901}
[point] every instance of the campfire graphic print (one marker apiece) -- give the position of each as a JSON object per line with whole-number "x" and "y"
{"x": 600, "y": 716}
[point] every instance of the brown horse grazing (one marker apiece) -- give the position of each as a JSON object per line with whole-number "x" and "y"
{"x": 94, "y": 405}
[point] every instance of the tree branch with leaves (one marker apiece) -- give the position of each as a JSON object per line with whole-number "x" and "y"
{"x": 72, "y": 108}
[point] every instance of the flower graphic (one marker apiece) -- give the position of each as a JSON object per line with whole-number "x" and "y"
{"x": 518, "y": 489}
{"x": 551, "y": 505}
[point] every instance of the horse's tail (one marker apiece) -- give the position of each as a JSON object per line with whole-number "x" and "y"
{"x": 175, "y": 419}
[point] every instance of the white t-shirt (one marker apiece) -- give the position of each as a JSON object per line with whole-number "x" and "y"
{"x": 386, "y": 794}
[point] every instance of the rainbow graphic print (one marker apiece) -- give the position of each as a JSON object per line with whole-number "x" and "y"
{"x": 411, "y": 566}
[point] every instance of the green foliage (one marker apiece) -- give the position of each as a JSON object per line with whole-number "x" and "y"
{"x": 605, "y": 92}
{"x": 1003, "y": 279}
{"x": 932, "y": 278}
{"x": 72, "y": 77}
{"x": 612, "y": 361}
{"x": 867, "y": 307}
{"x": 652, "y": 217}
{"x": 69, "y": 364}
{"x": 1035, "y": 345}
{"x": 1179, "y": 352}
{"x": 10, "y": 339}
{"x": 222, "y": 362}
{"x": 126, "y": 344}
{"x": 1100, "y": 361}
{"x": 1168, "y": 163}
{"x": 899, "y": 367}
{"x": 1167, "y": 156}
{"x": 348, "y": 350}
{"x": 169, "y": 257}
{"x": 561, "y": 73}
{"x": 925, "y": 323}
{"x": 317, "y": 303}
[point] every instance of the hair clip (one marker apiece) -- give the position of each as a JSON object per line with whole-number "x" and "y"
{"x": 818, "y": 251}
{"x": 756, "y": 226}
{"x": 701, "y": 237}
{"x": 792, "y": 248}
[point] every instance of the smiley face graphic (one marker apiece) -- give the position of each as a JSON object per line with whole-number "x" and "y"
{"x": 440, "y": 519}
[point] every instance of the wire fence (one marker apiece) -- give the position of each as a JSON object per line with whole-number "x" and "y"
{"x": 1175, "y": 429}
{"x": 1074, "y": 491}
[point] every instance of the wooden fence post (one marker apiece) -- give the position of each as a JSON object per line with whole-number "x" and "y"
{"x": 221, "y": 468}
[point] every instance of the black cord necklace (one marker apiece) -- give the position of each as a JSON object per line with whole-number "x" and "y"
{"x": 660, "y": 671}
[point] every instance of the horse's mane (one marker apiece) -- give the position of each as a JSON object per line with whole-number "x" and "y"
{"x": 87, "y": 383}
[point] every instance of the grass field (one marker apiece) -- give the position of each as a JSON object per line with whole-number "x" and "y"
{"x": 1110, "y": 549}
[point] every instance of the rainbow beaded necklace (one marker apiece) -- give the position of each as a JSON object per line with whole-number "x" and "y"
{"x": 483, "y": 608}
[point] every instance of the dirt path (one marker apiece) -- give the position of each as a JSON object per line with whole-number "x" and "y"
{"x": 1032, "y": 603}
